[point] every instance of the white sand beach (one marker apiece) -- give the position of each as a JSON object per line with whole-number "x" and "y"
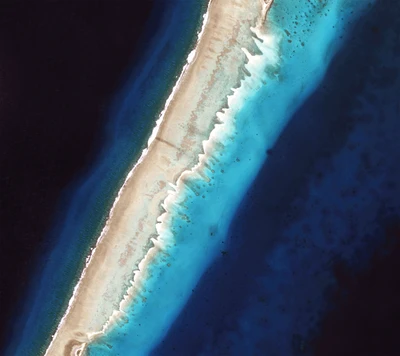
{"x": 188, "y": 119}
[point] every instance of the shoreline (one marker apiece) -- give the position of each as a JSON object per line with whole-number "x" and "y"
{"x": 117, "y": 313}
{"x": 79, "y": 350}
{"x": 173, "y": 148}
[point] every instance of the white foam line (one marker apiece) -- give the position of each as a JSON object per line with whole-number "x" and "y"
{"x": 153, "y": 135}
{"x": 255, "y": 63}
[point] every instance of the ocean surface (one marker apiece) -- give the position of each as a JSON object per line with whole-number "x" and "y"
{"x": 309, "y": 262}
{"x": 286, "y": 240}
{"x": 254, "y": 251}
{"x": 168, "y": 35}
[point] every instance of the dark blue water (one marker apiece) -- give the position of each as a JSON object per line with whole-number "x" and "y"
{"x": 310, "y": 263}
{"x": 167, "y": 39}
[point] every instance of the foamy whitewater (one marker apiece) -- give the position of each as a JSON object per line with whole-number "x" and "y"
{"x": 297, "y": 43}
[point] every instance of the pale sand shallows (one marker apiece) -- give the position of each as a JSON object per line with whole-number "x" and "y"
{"x": 188, "y": 120}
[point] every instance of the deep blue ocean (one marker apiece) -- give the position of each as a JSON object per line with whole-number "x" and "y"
{"x": 290, "y": 247}
{"x": 168, "y": 37}
{"x": 310, "y": 264}
{"x": 278, "y": 270}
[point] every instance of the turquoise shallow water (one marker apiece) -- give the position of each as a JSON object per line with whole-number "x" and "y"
{"x": 288, "y": 281}
{"x": 306, "y": 36}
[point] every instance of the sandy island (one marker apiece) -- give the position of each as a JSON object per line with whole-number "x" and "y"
{"x": 188, "y": 119}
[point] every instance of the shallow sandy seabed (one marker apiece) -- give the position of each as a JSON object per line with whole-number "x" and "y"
{"x": 188, "y": 120}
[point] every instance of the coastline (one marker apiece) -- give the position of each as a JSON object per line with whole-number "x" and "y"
{"x": 174, "y": 146}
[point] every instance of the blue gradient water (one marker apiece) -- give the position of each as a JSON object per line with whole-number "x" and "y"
{"x": 307, "y": 165}
{"x": 86, "y": 202}
{"x": 327, "y": 185}
{"x": 305, "y": 39}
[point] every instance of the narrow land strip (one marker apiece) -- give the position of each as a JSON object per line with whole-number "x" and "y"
{"x": 188, "y": 120}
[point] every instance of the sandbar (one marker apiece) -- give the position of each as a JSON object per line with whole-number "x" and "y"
{"x": 187, "y": 121}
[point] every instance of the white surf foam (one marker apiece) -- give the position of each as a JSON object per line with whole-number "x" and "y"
{"x": 222, "y": 132}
